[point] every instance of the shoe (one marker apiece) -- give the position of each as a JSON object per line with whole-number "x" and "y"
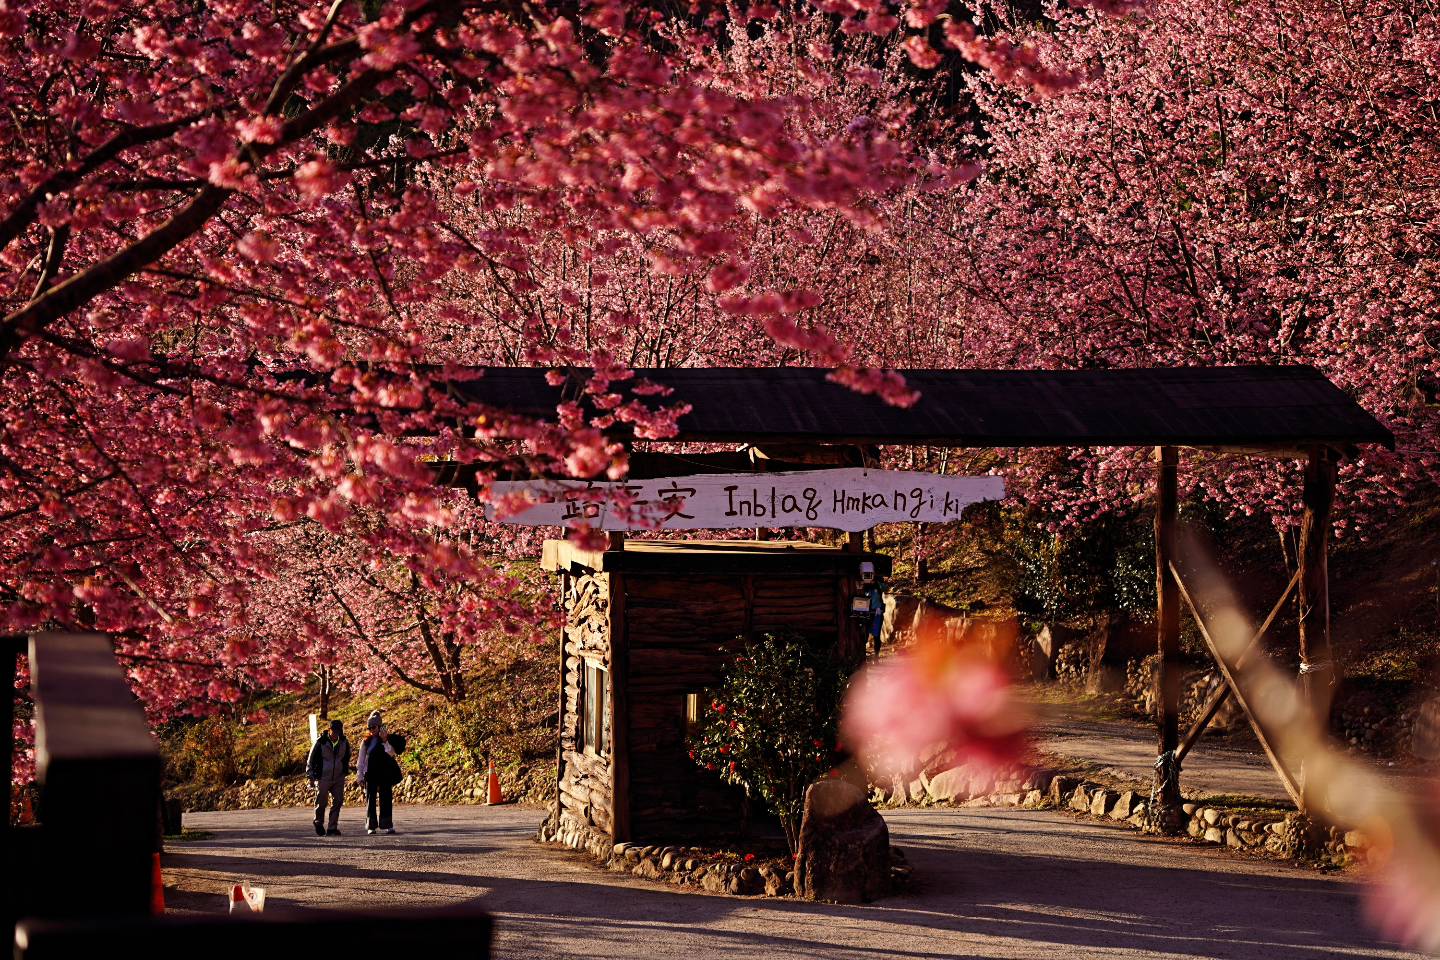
{"x": 332, "y": 832}
{"x": 370, "y": 830}
{"x": 391, "y": 830}
{"x": 319, "y": 830}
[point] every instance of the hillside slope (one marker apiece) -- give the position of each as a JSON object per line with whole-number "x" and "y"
{"x": 220, "y": 764}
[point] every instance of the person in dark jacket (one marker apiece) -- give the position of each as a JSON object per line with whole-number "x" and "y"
{"x": 378, "y": 772}
{"x": 328, "y": 766}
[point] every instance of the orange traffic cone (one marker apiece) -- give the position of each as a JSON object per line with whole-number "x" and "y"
{"x": 493, "y": 795}
{"x": 157, "y": 888}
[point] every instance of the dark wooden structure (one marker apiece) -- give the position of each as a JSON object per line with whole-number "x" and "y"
{"x": 456, "y": 933}
{"x": 80, "y": 884}
{"x": 1283, "y": 412}
{"x": 98, "y": 770}
{"x": 648, "y": 626}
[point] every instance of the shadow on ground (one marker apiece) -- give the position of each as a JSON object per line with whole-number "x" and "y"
{"x": 993, "y": 883}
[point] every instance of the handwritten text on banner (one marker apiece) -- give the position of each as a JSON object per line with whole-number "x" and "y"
{"x": 845, "y": 499}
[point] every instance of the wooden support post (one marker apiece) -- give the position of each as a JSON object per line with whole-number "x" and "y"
{"x": 619, "y": 668}
{"x": 1165, "y": 813}
{"x": 560, "y": 711}
{"x": 1317, "y": 669}
{"x": 855, "y": 541}
{"x": 11, "y": 648}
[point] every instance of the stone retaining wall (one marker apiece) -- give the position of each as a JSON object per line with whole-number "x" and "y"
{"x": 447, "y": 788}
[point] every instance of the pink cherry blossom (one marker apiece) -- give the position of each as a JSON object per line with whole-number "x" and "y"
{"x": 940, "y": 694}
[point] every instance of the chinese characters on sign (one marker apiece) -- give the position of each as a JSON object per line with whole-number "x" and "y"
{"x": 849, "y": 499}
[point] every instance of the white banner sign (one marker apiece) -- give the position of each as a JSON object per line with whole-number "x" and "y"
{"x": 846, "y": 499}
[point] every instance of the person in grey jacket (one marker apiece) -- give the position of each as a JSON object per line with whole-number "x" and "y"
{"x": 328, "y": 766}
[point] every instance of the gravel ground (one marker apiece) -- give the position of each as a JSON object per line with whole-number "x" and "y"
{"x": 992, "y": 883}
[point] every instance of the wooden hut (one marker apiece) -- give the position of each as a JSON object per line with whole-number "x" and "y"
{"x": 1282, "y": 412}
{"x": 649, "y": 625}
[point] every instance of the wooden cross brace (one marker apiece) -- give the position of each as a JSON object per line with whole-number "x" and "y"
{"x": 1232, "y": 685}
{"x": 1222, "y": 693}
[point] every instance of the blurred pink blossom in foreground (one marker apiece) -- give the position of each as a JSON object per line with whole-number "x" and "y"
{"x": 1404, "y": 849}
{"x": 938, "y": 695}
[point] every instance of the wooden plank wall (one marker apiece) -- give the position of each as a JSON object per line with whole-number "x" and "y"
{"x": 585, "y": 787}
{"x": 681, "y": 631}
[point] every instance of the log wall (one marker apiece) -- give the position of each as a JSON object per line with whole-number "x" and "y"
{"x": 585, "y": 785}
{"x": 681, "y": 631}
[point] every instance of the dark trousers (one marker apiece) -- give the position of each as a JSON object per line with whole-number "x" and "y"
{"x": 377, "y": 794}
{"x": 331, "y": 794}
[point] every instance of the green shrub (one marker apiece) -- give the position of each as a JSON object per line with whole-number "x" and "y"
{"x": 1078, "y": 573}
{"x": 508, "y": 713}
{"x": 770, "y": 727}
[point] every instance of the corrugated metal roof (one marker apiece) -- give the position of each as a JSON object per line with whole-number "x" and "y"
{"x": 1266, "y": 407}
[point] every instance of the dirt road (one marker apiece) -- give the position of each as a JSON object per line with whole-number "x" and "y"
{"x": 1228, "y": 765}
{"x": 994, "y": 883}
{"x": 1223, "y": 765}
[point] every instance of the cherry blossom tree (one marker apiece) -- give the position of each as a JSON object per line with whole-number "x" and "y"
{"x": 228, "y": 241}
{"x": 1223, "y": 185}
{"x": 608, "y": 302}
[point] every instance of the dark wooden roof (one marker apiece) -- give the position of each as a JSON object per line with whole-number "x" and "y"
{"x": 712, "y": 558}
{"x": 1263, "y": 407}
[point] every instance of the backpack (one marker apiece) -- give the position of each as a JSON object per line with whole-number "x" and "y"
{"x": 383, "y": 767}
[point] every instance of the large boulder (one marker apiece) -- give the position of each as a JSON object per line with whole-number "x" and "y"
{"x": 949, "y": 786}
{"x": 898, "y": 625}
{"x": 844, "y": 854}
{"x": 1051, "y": 638}
{"x": 1029, "y": 660}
